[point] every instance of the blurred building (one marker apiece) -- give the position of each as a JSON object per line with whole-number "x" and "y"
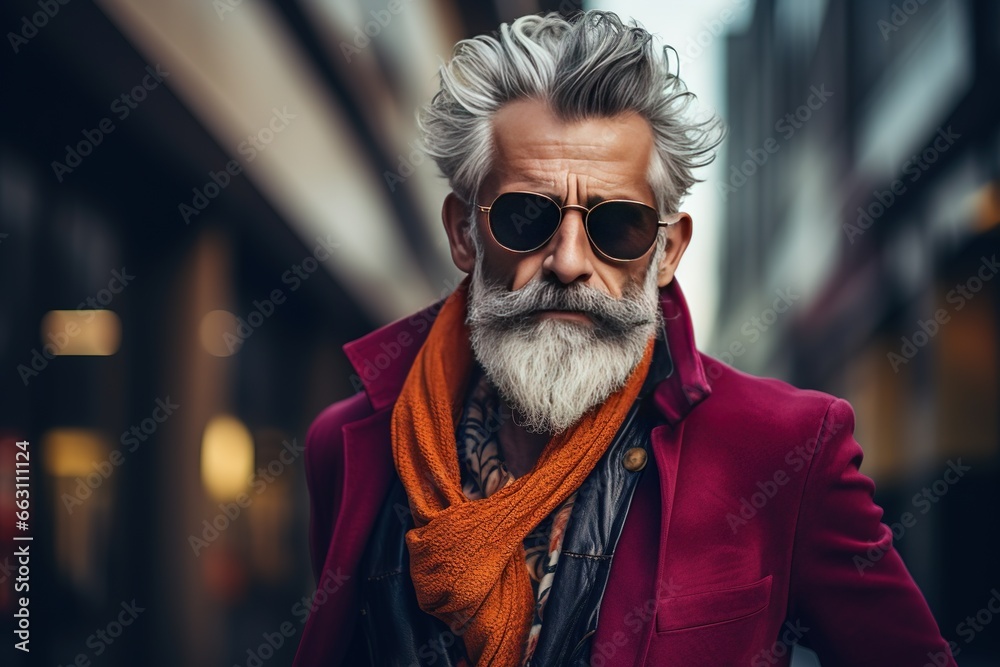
{"x": 862, "y": 190}
{"x": 200, "y": 202}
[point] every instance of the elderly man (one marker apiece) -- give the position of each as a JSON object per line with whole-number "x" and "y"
{"x": 546, "y": 473}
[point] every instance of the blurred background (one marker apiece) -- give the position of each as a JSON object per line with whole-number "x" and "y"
{"x": 200, "y": 202}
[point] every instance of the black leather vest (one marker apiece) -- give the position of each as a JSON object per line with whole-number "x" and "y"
{"x": 393, "y": 630}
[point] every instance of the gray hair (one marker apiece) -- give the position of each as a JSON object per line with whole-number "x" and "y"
{"x": 589, "y": 65}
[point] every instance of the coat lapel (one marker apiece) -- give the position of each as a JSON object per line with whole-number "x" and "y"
{"x": 666, "y": 442}
{"x": 675, "y": 397}
{"x": 368, "y": 472}
{"x": 382, "y": 360}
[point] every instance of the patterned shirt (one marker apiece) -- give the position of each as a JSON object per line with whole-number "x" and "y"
{"x": 483, "y": 472}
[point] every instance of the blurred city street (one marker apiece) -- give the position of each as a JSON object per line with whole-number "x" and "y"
{"x": 201, "y": 202}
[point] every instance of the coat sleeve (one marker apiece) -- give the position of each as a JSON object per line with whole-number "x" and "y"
{"x": 857, "y": 602}
{"x": 322, "y": 480}
{"x": 323, "y": 459}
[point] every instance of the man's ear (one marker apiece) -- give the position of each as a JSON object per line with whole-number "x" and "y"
{"x": 455, "y": 215}
{"x": 678, "y": 237}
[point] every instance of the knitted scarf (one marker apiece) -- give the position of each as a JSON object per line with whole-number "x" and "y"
{"x": 467, "y": 557}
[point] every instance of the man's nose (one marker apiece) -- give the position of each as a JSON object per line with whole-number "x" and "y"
{"x": 568, "y": 255}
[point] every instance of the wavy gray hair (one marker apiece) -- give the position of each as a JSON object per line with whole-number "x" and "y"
{"x": 588, "y": 65}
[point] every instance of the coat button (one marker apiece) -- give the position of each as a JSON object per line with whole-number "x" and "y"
{"x": 634, "y": 459}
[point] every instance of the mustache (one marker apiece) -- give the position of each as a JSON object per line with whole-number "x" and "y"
{"x": 514, "y": 309}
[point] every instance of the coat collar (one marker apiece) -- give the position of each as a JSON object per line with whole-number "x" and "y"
{"x": 382, "y": 358}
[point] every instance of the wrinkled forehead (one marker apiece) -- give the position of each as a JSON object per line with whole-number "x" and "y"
{"x": 534, "y": 145}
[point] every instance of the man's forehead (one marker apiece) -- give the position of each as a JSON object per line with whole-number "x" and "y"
{"x": 533, "y": 145}
{"x": 530, "y": 123}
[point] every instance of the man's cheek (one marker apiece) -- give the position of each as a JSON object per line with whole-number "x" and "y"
{"x": 617, "y": 282}
{"x": 517, "y": 274}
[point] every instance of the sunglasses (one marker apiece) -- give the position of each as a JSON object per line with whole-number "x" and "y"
{"x": 621, "y": 230}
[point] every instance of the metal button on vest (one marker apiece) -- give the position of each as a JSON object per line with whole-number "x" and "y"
{"x": 634, "y": 459}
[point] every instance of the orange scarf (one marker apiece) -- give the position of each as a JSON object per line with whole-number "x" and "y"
{"x": 467, "y": 557}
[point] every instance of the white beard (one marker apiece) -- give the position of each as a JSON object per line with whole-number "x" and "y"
{"x": 553, "y": 371}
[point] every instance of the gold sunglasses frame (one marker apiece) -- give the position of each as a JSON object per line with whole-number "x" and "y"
{"x": 562, "y": 214}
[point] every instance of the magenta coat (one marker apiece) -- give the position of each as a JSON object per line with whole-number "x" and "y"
{"x": 754, "y": 530}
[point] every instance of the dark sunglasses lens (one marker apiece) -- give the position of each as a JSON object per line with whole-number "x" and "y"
{"x": 522, "y": 221}
{"x": 623, "y": 230}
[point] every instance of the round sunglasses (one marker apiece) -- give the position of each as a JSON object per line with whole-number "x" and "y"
{"x": 621, "y": 230}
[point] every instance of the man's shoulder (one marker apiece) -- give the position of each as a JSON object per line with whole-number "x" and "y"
{"x": 339, "y": 413}
{"x": 733, "y": 382}
{"x": 766, "y": 407}
{"x": 760, "y": 425}
{"x": 324, "y": 439}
